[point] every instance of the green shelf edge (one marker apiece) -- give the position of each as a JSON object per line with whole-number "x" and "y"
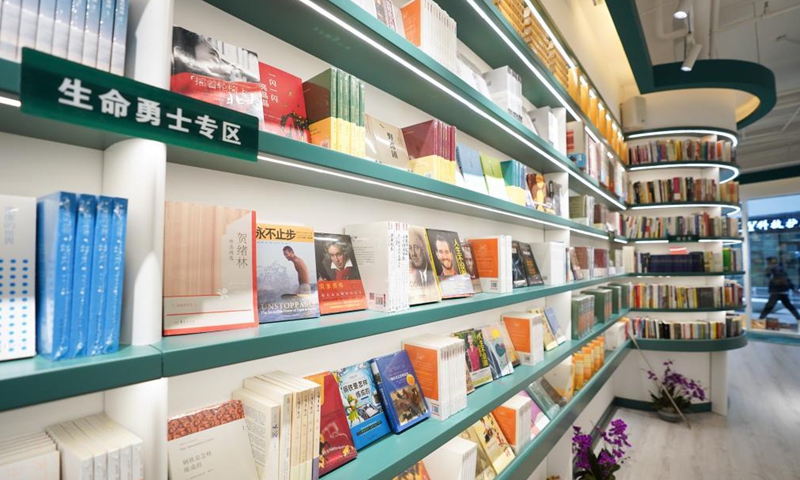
{"x": 721, "y": 345}
{"x": 533, "y": 454}
{"x": 650, "y": 206}
{"x": 192, "y": 353}
{"x": 392, "y": 454}
{"x": 686, "y": 310}
{"x": 38, "y": 380}
{"x": 684, "y": 274}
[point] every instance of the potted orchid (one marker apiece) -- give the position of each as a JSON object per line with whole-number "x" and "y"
{"x": 603, "y": 465}
{"x": 682, "y": 390}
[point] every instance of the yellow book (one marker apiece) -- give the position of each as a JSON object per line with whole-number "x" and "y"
{"x": 324, "y": 133}
{"x": 584, "y": 95}
{"x": 573, "y": 84}
{"x": 593, "y": 103}
{"x": 516, "y": 195}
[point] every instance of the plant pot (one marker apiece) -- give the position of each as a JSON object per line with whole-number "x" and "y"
{"x": 669, "y": 415}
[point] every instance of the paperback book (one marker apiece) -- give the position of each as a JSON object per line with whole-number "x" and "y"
{"x": 384, "y": 143}
{"x": 477, "y": 359}
{"x": 493, "y": 443}
{"x": 517, "y": 267}
{"x": 451, "y": 269}
{"x": 496, "y": 351}
{"x": 532, "y": 274}
{"x": 283, "y": 103}
{"x": 399, "y": 390}
{"x": 336, "y": 439}
{"x": 423, "y": 281}
{"x": 338, "y": 279}
{"x": 472, "y": 267}
{"x": 362, "y": 407}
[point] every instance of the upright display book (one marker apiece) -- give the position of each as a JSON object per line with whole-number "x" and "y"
{"x": 215, "y": 72}
{"x": 496, "y": 351}
{"x": 210, "y": 443}
{"x": 209, "y": 268}
{"x": 549, "y": 335}
{"x": 514, "y": 419}
{"x": 493, "y": 173}
{"x": 527, "y": 335}
{"x": 454, "y": 279}
{"x": 385, "y": 143}
{"x": 555, "y": 326}
{"x": 18, "y": 231}
{"x": 418, "y": 470}
{"x": 399, "y": 390}
{"x": 483, "y": 465}
{"x": 532, "y": 273}
{"x": 283, "y": 103}
{"x": 336, "y": 440}
{"x": 517, "y": 267}
{"x": 492, "y": 257}
{"x": 362, "y": 407}
{"x": 263, "y": 419}
{"x": 338, "y": 279}
{"x": 477, "y": 358}
{"x": 287, "y": 276}
{"x": 423, "y": 282}
{"x": 469, "y": 162}
{"x": 472, "y": 266}
{"x": 538, "y": 419}
{"x": 493, "y": 443}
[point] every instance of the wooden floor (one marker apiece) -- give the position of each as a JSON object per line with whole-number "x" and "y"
{"x": 760, "y": 439}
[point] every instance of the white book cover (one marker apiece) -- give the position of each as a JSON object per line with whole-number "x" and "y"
{"x": 22, "y": 451}
{"x": 298, "y": 412}
{"x": 136, "y": 444}
{"x": 211, "y": 444}
{"x": 284, "y": 398}
{"x": 455, "y": 460}
{"x": 27, "y": 26}
{"x": 372, "y": 246}
{"x": 9, "y": 29}
{"x": 45, "y": 24}
{"x": 41, "y": 466}
{"x": 263, "y": 419}
{"x": 98, "y": 452}
{"x": 77, "y": 462}
{"x": 91, "y": 33}
{"x": 122, "y": 443}
{"x": 18, "y": 231}
{"x": 77, "y": 24}
{"x": 102, "y": 442}
{"x": 551, "y": 259}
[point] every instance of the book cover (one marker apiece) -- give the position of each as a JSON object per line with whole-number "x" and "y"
{"x": 555, "y": 326}
{"x": 211, "y": 443}
{"x": 514, "y": 419}
{"x": 418, "y": 470}
{"x": 55, "y": 227}
{"x": 575, "y": 265}
{"x": 469, "y": 162}
{"x": 385, "y": 143}
{"x": 511, "y": 351}
{"x": 101, "y": 266}
{"x": 322, "y": 108}
{"x": 548, "y": 335}
{"x": 82, "y": 275}
{"x": 517, "y": 267}
{"x": 336, "y": 445}
{"x": 338, "y": 279}
{"x": 106, "y": 32}
{"x": 532, "y": 273}
{"x": 91, "y": 33}
{"x": 118, "y": 41}
{"x": 18, "y": 231}
{"x": 77, "y": 23}
{"x": 493, "y": 174}
{"x": 543, "y": 399}
{"x": 496, "y": 351}
{"x": 538, "y": 418}
{"x": 263, "y": 419}
{"x": 214, "y": 71}
{"x": 527, "y": 335}
{"x": 287, "y": 273}
{"x": 362, "y": 406}
{"x": 116, "y": 275}
{"x": 472, "y": 266}
{"x": 493, "y": 442}
{"x": 283, "y": 103}
{"x": 209, "y": 268}
{"x": 424, "y": 139}
{"x": 483, "y": 465}
{"x": 399, "y": 390}
{"x": 477, "y": 359}
{"x": 423, "y": 282}
{"x": 60, "y": 26}
{"x": 455, "y": 460}
{"x": 448, "y": 260}
{"x": 28, "y": 19}
{"x": 45, "y": 23}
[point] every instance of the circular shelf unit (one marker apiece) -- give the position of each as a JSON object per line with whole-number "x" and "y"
{"x": 719, "y": 345}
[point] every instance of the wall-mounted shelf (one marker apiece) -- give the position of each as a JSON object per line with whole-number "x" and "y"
{"x": 730, "y": 240}
{"x": 727, "y": 208}
{"x": 687, "y": 310}
{"x": 719, "y": 345}
{"x": 727, "y": 171}
{"x": 683, "y": 274}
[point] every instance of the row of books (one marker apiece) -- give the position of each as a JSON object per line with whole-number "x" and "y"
{"x": 591, "y": 156}
{"x": 90, "y": 32}
{"x": 584, "y": 210}
{"x": 687, "y": 189}
{"x": 93, "y": 447}
{"x": 679, "y": 297}
{"x": 708, "y": 148}
{"x": 61, "y": 275}
{"x": 594, "y": 306}
{"x": 729, "y": 260}
{"x": 592, "y": 262}
{"x": 596, "y": 111}
{"x": 698, "y": 224}
{"x": 646, "y": 327}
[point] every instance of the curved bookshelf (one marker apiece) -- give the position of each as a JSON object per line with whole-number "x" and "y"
{"x": 720, "y": 345}
{"x": 683, "y": 132}
{"x": 684, "y": 274}
{"x": 687, "y": 310}
{"x": 728, "y": 171}
{"x": 731, "y": 240}
{"x": 730, "y": 207}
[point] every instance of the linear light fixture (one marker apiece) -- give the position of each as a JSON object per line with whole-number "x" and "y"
{"x": 725, "y": 241}
{"x": 325, "y": 13}
{"x": 11, "y": 102}
{"x": 264, "y": 158}
{"x": 734, "y": 208}
{"x": 731, "y": 168}
{"x": 686, "y": 131}
{"x": 650, "y": 241}
{"x": 620, "y": 240}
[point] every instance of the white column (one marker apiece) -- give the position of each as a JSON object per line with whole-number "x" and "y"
{"x": 559, "y": 461}
{"x": 719, "y": 383}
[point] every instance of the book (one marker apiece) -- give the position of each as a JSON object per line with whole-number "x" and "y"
{"x": 78, "y": 458}
{"x": 55, "y": 227}
{"x": 120, "y": 36}
{"x": 214, "y": 440}
{"x": 209, "y": 70}
{"x": 496, "y": 351}
{"x": 448, "y": 261}
{"x": 492, "y": 441}
{"x": 382, "y": 250}
{"x": 418, "y": 471}
{"x": 493, "y": 174}
{"x": 101, "y": 270}
{"x": 82, "y": 275}
{"x": 532, "y": 273}
{"x": 18, "y": 230}
{"x": 583, "y": 316}
{"x": 472, "y": 267}
{"x": 455, "y": 460}
{"x": 60, "y": 25}
{"x": 30, "y": 458}
{"x": 493, "y": 261}
{"x": 441, "y": 371}
{"x": 517, "y": 267}
{"x": 77, "y": 23}
{"x": 263, "y": 419}
{"x": 469, "y": 162}
{"x": 514, "y": 419}
{"x": 399, "y": 390}
{"x": 321, "y": 94}
{"x": 554, "y": 325}
{"x": 560, "y": 379}
{"x": 283, "y": 103}
{"x": 91, "y": 32}
{"x": 362, "y": 407}
{"x": 209, "y": 268}
{"x": 116, "y": 276}
{"x": 538, "y": 418}
{"x": 287, "y": 273}
{"x": 483, "y": 465}
{"x": 426, "y": 139}
{"x": 106, "y": 34}
{"x": 527, "y": 335}
{"x": 385, "y": 143}
{"x": 511, "y": 351}
{"x": 432, "y": 30}
{"x": 423, "y": 281}
{"x": 477, "y": 360}
{"x": 338, "y": 278}
{"x": 336, "y": 440}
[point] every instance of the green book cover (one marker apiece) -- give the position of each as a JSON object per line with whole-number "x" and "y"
{"x": 602, "y": 303}
{"x": 493, "y": 173}
{"x": 616, "y": 296}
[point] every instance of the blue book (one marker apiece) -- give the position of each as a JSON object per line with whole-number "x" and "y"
{"x": 55, "y": 224}
{"x": 118, "y": 40}
{"x": 106, "y": 35}
{"x": 77, "y": 23}
{"x": 100, "y": 268}
{"x": 91, "y": 33}
{"x": 61, "y": 28}
{"x": 555, "y": 327}
{"x": 469, "y": 161}
{"x": 362, "y": 407}
{"x": 116, "y": 275}
{"x": 82, "y": 274}
{"x": 399, "y": 389}
{"x": 44, "y": 25}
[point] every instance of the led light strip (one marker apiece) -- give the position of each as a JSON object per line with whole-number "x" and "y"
{"x": 723, "y": 241}
{"x": 620, "y": 240}
{"x": 731, "y": 168}
{"x": 10, "y": 102}
{"x": 650, "y": 241}
{"x": 734, "y": 208}
{"x": 469, "y": 105}
{"x": 689, "y": 131}
{"x": 367, "y": 181}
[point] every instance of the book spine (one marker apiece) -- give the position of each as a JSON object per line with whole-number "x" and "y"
{"x": 82, "y": 274}
{"x": 116, "y": 275}
{"x": 27, "y": 26}
{"x": 77, "y": 23}
{"x": 91, "y": 33}
{"x": 44, "y": 25}
{"x": 388, "y": 406}
{"x": 100, "y": 268}
{"x": 119, "y": 38}
{"x": 61, "y": 28}
{"x": 106, "y": 35}
{"x": 9, "y": 29}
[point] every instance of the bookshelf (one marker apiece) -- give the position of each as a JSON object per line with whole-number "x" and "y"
{"x": 684, "y": 274}
{"x": 723, "y": 240}
{"x": 687, "y": 310}
{"x": 725, "y": 207}
{"x": 728, "y": 171}
{"x": 719, "y": 345}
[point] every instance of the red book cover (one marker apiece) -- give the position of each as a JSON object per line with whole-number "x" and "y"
{"x": 283, "y": 102}
{"x": 422, "y": 139}
{"x": 335, "y": 440}
{"x": 215, "y": 72}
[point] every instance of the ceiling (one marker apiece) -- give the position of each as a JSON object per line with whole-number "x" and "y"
{"x": 757, "y": 31}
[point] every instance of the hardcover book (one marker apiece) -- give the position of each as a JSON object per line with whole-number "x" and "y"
{"x": 385, "y": 143}
{"x": 209, "y": 268}
{"x": 336, "y": 440}
{"x": 517, "y": 267}
{"x": 496, "y": 351}
{"x": 362, "y": 407}
{"x": 532, "y": 273}
{"x": 477, "y": 358}
{"x": 454, "y": 279}
{"x": 283, "y": 103}
{"x": 287, "y": 276}
{"x": 399, "y": 390}
{"x": 215, "y": 72}
{"x": 472, "y": 266}
{"x": 423, "y": 282}
{"x": 339, "y": 281}
{"x": 212, "y": 440}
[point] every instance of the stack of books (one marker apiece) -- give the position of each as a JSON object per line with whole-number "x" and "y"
{"x": 431, "y": 29}
{"x": 705, "y": 149}
{"x": 383, "y": 250}
{"x": 664, "y": 296}
{"x": 335, "y": 106}
{"x": 387, "y": 12}
{"x": 493, "y": 261}
{"x": 583, "y": 315}
{"x": 505, "y": 89}
{"x": 646, "y": 327}
{"x": 455, "y": 460}
{"x": 699, "y": 224}
{"x": 431, "y": 149}
{"x": 442, "y": 372}
{"x": 514, "y": 175}
{"x": 33, "y": 456}
{"x": 581, "y": 209}
{"x": 729, "y": 260}
{"x": 679, "y": 189}
{"x": 514, "y": 419}
{"x": 603, "y": 303}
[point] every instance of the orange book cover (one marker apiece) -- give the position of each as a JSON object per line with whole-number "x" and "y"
{"x": 412, "y": 21}
{"x": 486, "y": 253}
{"x": 426, "y": 366}
{"x": 519, "y": 329}
{"x": 506, "y": 419}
